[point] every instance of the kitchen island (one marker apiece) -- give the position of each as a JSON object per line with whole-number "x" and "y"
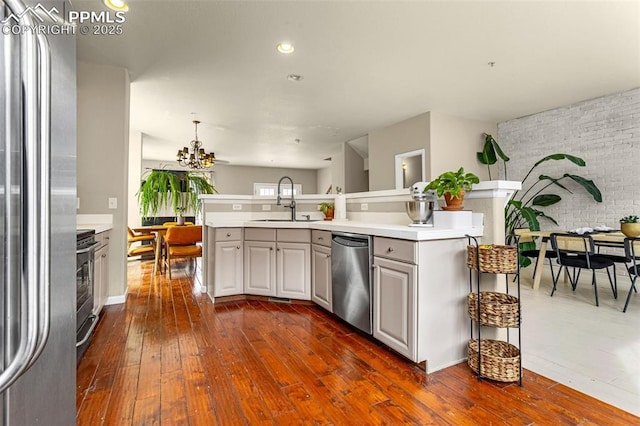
{"x": 419, "y": 287}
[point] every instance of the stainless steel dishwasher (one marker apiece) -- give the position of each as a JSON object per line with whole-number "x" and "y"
{"x": 351, "y": 259}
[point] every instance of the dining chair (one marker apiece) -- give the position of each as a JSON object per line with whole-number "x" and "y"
{"x": 632, "y": 250}
{"x": 181, "y": 241}
{"x": 139, "y": 250}
{"x": 534, "y": 253}
{"x": 578, "y": 252}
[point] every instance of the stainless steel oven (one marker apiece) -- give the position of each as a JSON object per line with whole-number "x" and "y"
{"x": 86, "y": 321}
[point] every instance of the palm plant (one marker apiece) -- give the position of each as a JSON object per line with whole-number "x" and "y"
{"x": 523, "y": 209}
{"x": 164, "y": 188}
{"x": 490, "y": 153}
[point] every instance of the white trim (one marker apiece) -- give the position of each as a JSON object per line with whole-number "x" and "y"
{"x": 116, "y": 300}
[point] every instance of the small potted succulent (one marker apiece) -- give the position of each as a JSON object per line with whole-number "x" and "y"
{"x": 328, "y": 210}
{"x": 630, "y": 226}
{"x": 453, "y": 185}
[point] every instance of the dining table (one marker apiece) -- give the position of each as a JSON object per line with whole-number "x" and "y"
{"x": 159, "y": 231}
{"x": 601, "y": 239}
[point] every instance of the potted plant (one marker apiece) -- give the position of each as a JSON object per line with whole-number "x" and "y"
{"x": 180, "y": 191}
{"x": 453, "y": 185}
{"x": 328, "y": 210}
{"x": 630, "y": 226}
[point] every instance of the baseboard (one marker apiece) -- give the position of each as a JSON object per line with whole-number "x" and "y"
{"x": 116, "y": 300}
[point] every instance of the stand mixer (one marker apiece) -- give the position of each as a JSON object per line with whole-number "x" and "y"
{"x": 420, "y": 210}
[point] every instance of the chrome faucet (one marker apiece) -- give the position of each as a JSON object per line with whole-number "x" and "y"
{"x": 292, "y": 206}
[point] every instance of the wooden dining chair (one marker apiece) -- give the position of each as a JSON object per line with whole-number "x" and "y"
{"x": 181, "y": 241}
{"x": 578, "y": 252}
{"x": 139, "y": 250}
{"x": 632, "y": 250}
{"x": 534, "y": 253}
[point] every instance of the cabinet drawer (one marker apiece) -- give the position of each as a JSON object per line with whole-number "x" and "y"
{"x": 322, "y": 238}
{"x": 294, "y": 235}
{"x": 103, "y": 237}
{"x": 259, "y": 234}
{"x": 228, "y": 234}
{"x": 402, "y": 250}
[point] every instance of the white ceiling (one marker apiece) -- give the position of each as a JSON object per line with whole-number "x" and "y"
{"x": 365, "y": 65}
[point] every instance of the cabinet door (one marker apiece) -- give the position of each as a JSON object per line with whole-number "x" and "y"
{"x": 228, "y": 269}
{"x": 294, "y": 271}
{"x": 259, "y": 268}
{"x": 321, "y": 276}
{"x": 101, "y": 273}
{"x": 394, "y": 305}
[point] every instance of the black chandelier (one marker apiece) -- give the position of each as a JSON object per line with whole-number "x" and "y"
{"x": 197, "y": 159}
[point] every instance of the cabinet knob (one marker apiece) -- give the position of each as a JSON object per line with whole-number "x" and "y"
{"x": 104, "y": 255}
{"x": 271, "y": 248}
{"x": 238, "y": 247}
{"x": 277, "y": 249}
{"x": 374, "y": 266}
{"x": 328, "y": 256}
{"x": 321, "y": 238}
{"x": 228, "y": 234}
{"x": 390, "y": 249}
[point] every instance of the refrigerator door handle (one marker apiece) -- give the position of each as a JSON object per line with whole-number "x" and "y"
{"x": 44, "y": 256}
{"x": 35, "y": 228}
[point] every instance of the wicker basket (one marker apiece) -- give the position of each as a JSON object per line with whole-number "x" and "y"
{"x": 496, "y": 309}
{"x": 495, "y": 259}
{"x": 500, "y": 361}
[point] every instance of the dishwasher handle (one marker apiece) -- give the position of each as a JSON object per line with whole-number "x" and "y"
{"x": 350, "y": 241}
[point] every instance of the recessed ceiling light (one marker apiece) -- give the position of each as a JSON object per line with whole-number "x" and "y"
{"x": 294, "y": 77}
{"x": 285, "y": 47}
{"x": 117, "y": 5}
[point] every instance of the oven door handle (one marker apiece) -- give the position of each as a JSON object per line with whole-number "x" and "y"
{"x": 87, "y": 335}
{"x": 88, "y": 249}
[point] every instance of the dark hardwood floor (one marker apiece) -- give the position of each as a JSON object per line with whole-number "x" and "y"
{"x": 169, "y": 356}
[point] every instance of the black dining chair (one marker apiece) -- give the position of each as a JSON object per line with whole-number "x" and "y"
{"x": 578, "y": 252}
{"x": 632, "y": 250}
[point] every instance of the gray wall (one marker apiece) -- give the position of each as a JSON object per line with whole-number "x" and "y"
{"x": 239, "y": 180}
{"x": 605, "y": 132}
{"x": 103, "y": 135}
{"x": 386, "y": 143}
{"x": 356, "y": 178}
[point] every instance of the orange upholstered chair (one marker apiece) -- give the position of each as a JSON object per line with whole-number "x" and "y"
{"x": 139, "y": 250}
{"x": 180, "y": 241}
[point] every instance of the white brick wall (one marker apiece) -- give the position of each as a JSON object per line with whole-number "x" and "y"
{"x": 605, "y": 132}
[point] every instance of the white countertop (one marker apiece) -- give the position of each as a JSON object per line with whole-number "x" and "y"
{"x": 381, "y": 230}
{"x": 98, "y": 222}
{"x": 98, "y": 227}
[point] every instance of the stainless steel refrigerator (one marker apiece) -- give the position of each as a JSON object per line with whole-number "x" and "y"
{"x": 37, "y": 218}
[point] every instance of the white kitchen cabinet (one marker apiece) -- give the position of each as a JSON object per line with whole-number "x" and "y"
{"x": 260, "y": 268}
{"x": 394, "y": 309}
{"x": 293, "y": 270}
{"x": 101, "y": 273}
{"x": 278, "y": 263}
{"x": 223, "y": 254}
{"x": 228, "y": 268}
{"x": 321, "y": 276}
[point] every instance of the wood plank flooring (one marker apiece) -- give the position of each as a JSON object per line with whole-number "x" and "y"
{"x": 169, "y": 356}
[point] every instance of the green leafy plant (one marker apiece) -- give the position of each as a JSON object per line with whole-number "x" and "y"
{"x": 164, "y": 188}
{"x": 452, "y": 183}
{"x": 630, "y": 219}
{"x": 325, "y": 207}
{"x": 522, "y": 210}
{"x": 490, "y": 153}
